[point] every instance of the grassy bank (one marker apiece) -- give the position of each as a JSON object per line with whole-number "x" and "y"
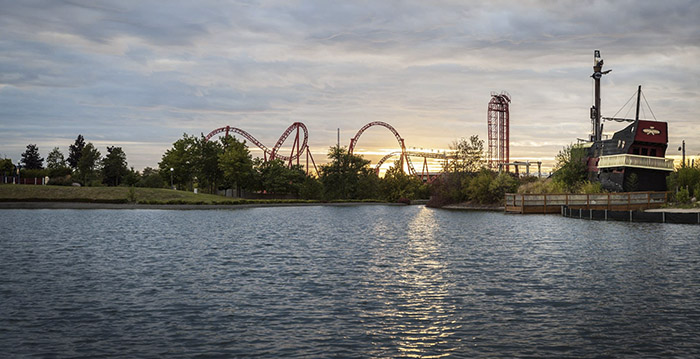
{"x": 26, "y": 193}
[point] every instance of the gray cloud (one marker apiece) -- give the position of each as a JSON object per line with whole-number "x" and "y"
{"x": 142, "y": 73}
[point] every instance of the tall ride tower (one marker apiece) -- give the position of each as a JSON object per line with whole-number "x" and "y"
{"x": 499, "y": 130}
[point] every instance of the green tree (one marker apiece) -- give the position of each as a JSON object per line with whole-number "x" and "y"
{"x": 502, "y": 184}
{"x": 570, "y": 168}
{"x": 469, "y": 155}
{"x": 56, "y": 165}
{"x": 31, "y": 158}
{"x": 151, "y": 178}
{"x": 114, "y": 166}
{"x": 182, "y": 158}
{"x": 311, "y": 188}
{"x": 236, "y": 164}
{"x": 207, "y": 164}
{"x": 278, "y": 178}
{"x": 397, "y": 185}
{"x": 75, "y": 151}
{"x": 347, "y": 176}
{"x": 477, "y": 188}
{"x": 88, "y": 165}
{"x": 55, "y": 159}
{"x": 131, "y": 178}
{"x": 6, "y": 167}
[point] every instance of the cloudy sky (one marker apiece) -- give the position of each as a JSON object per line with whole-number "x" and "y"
{"x": 139, "y": 74}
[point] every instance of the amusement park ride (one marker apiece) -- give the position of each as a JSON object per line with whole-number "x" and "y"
{"x": 498, "y": 146}
{"x": 300, "y": 148}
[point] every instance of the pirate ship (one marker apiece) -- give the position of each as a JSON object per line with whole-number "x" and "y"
{"x": 634, "y": 158}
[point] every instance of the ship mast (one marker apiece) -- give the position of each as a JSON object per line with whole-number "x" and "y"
{"x": 595, "y": 110}
{"x": 639, "y": 94}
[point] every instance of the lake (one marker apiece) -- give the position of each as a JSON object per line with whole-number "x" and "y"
{"x": 347, "y": 281}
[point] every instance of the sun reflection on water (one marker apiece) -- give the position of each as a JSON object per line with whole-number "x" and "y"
{"x": 417, "y": 315}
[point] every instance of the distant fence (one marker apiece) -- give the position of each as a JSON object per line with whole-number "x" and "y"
{"x": 552, "y": 203}
{"x": 22, "y": 180}
{"x": 632, "y": 216}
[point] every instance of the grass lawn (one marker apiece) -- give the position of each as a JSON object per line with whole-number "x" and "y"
{"x": 30, "y": 193}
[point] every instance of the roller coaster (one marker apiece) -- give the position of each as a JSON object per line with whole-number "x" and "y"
{"x": 300, "y": 147}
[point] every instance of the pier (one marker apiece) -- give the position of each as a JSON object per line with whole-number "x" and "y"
{"x": 553, "y": 203}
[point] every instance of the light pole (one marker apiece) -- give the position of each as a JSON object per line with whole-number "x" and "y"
{"x": 19, "y": 167}
{"x": 682, "y": 148}
{"x": 171, "y": 178}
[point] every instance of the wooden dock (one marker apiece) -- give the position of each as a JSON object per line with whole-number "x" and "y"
{"x": 552, "y": 203}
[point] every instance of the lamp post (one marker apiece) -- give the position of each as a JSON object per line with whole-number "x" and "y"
{"x": 682, "y": 148}
{"x": 19, "y": 167}
{"x": 171, "y": 178}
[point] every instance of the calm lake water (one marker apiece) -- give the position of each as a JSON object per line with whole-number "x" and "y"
{"x": 359, "y": 281}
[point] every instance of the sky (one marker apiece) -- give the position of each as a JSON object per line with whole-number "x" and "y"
{"x": 139, "y": 74}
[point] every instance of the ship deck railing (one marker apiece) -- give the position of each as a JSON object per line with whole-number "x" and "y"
{"x": 553, "y": 203}
{"x": 626, "y": 160}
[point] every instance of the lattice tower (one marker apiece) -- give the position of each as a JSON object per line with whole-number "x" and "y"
{"x": 499, "y": 130}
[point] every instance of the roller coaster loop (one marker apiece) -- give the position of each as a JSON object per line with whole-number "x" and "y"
{"x": 404, "y": 157}
{"x": 298, "y": 147}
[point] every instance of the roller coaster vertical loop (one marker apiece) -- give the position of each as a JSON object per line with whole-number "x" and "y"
{"x": 404, "y": 157}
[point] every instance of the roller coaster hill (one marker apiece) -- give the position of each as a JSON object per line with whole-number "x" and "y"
{"x": 300, "y": 150}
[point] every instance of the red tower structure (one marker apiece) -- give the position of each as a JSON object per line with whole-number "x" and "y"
{"x": 499, "y": 130}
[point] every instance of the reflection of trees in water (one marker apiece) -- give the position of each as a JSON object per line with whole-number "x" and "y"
{"x": 412, "y": 315}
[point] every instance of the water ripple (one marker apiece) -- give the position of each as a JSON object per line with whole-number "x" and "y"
{"x": 366, "y": 281}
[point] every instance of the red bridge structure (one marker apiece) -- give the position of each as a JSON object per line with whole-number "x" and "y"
{"x": 299, "y": 147}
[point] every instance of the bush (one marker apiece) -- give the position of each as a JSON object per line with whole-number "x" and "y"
{"x": 683, "y": 196}
{"x": 542, "y": 186}
{"x": 61, "y": 181}
{"x": 446, "y": 189}
{"x": 588, "y": 187}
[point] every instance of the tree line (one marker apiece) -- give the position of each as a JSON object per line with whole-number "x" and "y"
{"x": 84, "y": 165}
{"x": 227, "y": 164}
{"x": 215, "y": 165}
{"x": 193, "y": 162}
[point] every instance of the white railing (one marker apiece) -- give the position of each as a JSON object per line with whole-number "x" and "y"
{"x": 648, "y": 162}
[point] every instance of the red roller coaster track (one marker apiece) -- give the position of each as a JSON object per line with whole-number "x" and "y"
{"x": 425, "y": 174}
{"x": 298, "y": 147}
{"x": 404, "y": 156}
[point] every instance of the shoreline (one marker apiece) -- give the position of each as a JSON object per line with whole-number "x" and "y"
{"x": 470, "y": 207}
{"x": 94, "y": 205}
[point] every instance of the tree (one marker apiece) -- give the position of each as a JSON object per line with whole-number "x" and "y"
{"x": 311, "y": 188}
{"x": 468, "y": 154}
{"x": 75, "y": 151}
{"x": 397, "y": 185}
{"x": 57, "y": 166}
{"x": 6, "y": 167}
{"x": 55, "y": 159}
{"x": 114, "y": 166}
{"x": 151, "y": 178}
{"x": 236, "y": 164}
{"x": 347, "y": 176}
{"x": 207, "y": 163}
{"x": 502, "y": 184}
{"x": 88, "y": 165}
{"x": 276, "y": 177}
{"x": 182, "y": 158}
{"x": 31, "y": 158}
{"x": 570, "y": 169}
